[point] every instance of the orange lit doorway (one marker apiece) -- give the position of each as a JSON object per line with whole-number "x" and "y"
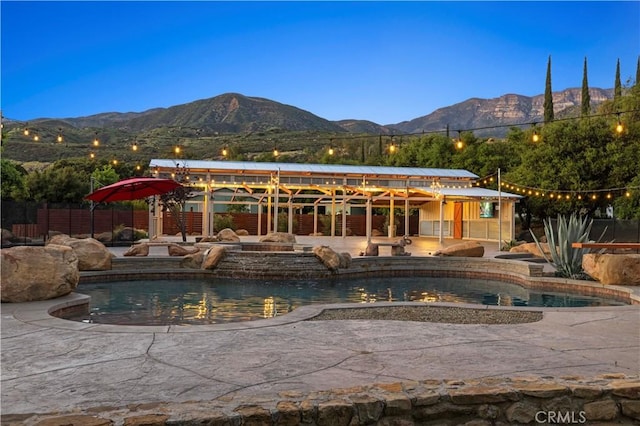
{"x": 457, "y": 220}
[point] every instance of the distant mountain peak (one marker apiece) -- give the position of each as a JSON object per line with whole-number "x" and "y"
{"x": 511, "y": 108}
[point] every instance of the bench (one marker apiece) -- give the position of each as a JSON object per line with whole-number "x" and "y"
{"x": 612, "y": 246}
{"x": 397, "y": 248}
{"x": 140, "y": 248}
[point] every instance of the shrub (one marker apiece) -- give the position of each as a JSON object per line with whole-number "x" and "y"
{"x": 566, "y": 259}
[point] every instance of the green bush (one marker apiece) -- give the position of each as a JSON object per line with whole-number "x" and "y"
{"x": 223, "y": 221}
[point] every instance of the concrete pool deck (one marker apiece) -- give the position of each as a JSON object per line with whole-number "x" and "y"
{"x": 50, "y": 365}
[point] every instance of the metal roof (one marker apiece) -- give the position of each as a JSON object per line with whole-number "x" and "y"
{"x": 326, "y": 169}
{"x": 473, "y": 192}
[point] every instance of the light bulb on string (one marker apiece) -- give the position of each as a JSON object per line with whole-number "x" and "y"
{"x": 619, "y": 126}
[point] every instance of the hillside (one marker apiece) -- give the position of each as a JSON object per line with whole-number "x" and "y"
{"x": 505, "y": 110}
{"x": 254, "y": 124}
{"x": 227, "y": 113}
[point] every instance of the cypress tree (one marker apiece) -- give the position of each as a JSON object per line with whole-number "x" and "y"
{"x": 586, "y": 97}
{"x": 638, "y": 72}
{"x": 548, "y": 96}
{"x": 617, "y": 88}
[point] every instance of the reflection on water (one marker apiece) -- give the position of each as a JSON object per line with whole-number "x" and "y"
{"x": 219, "y": 300}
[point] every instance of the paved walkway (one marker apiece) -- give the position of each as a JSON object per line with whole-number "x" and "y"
{"x": 49, "y": 364}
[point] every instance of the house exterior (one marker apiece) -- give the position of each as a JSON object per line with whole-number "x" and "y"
{"x": 448, "y": 201}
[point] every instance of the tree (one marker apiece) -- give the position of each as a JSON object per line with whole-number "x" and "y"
{"x": 174, "y": 202}
{"x": 586, "y": 97}
{"x": 638, "y": 72}
{"x": 617, "y": 87}
{"x": 104, "y": 176}
{"x": 548, "y": 96}
{"x": 13, "y": 178}
{"x": 58, "y": 184}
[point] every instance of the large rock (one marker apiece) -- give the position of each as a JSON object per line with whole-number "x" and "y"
{"x": 532, "y": 248}
{"x": 328, "y": 257}
{"x": 465, "y": 249}
{"x": 371, "y": 250}
{"x": 92, "y": 254}
{"x": 38, "y": 273}
{"x": 345, "y": 260}
{"x": 212, "y": 257}
{"x": 141, "y": 249}
{"x": 178, "y": 250}
{"x": 613, "y": 269}
{"x": 60, "y": 239}
{"x": 192, "y": 261}
{"x": 278, "y": 237}
{"x": 227, "y": 235}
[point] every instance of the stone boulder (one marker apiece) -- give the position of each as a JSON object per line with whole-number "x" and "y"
{"x": 227, "y": 235}
{"x": 242, "y": 232}
{"x": 60, "y": 239}
{"x": 212, "y": 257}
{"x": 141, "y": 249}
{"x": 38, "y": 273}
{"x": 345, "y": 260}
{"x": 178, "y": 250}
{"x": 376, "y": 233}
{"x": 104, "y": 237}
{"x": 7, "y": 237}
{"x": 371, "y": 250}
{"x": 532, "y": 248}
{"x": 208, "y": 239}
{"x": 613, "y": 269}
{"x": 328, "y": 257}
{"x": 464, "y": 249}
{"x": 92, "y": 254}
{"x": 278, "y": 237}
{"x": 193, "y": 261}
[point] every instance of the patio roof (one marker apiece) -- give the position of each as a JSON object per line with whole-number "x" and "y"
{"x": 243, "y": 167}
{"x": 475, "y": 193}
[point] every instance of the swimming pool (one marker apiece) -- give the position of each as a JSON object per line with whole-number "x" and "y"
{"x": 223, "y": 300}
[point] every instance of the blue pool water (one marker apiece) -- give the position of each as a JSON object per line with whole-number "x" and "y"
{"x": 221, "y": 300}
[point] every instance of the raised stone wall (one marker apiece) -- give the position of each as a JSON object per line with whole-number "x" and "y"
{"x": 604, "y": 399}
{"x": 260, "y": 265}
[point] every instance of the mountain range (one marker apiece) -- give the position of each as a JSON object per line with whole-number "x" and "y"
{"x": 236, "y": 113}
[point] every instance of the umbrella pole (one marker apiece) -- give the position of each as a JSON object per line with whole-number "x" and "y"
{"x": 91, "y": 207}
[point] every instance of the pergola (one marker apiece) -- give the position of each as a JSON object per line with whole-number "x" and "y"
{"x": 266, "y": 185}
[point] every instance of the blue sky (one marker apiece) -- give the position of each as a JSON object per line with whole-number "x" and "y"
{"x": 381, "y": 61}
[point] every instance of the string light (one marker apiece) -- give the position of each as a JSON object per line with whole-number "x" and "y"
{"x": 536, "y": 136}
{"x": 134, "y": 147}
{"x": 619, "y": 126}
{"x": 590, "y": 194}
{"x": 459, "y": 143}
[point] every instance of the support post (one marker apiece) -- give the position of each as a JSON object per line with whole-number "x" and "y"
{"x": 369, "y": 221}
{"x": 392, "y": 217}
{"x": 499, "y": 211}
{"x": 441, "y": 230}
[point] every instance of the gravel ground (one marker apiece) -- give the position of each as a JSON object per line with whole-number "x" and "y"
{"x": 445, "y": 314}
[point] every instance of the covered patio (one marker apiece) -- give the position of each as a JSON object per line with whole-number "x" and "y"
{"x": 449, "y": 203}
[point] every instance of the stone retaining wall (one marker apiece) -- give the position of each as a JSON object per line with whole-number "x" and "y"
{"x": 611, "y": 398}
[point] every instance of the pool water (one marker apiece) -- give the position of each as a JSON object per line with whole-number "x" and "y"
{"x": 221, "y": 300}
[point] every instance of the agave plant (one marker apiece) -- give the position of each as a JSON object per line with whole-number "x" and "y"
{"x": 566, "y": 259}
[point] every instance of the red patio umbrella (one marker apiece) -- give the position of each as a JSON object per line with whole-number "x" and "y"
{"x": 132, "y": 189}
